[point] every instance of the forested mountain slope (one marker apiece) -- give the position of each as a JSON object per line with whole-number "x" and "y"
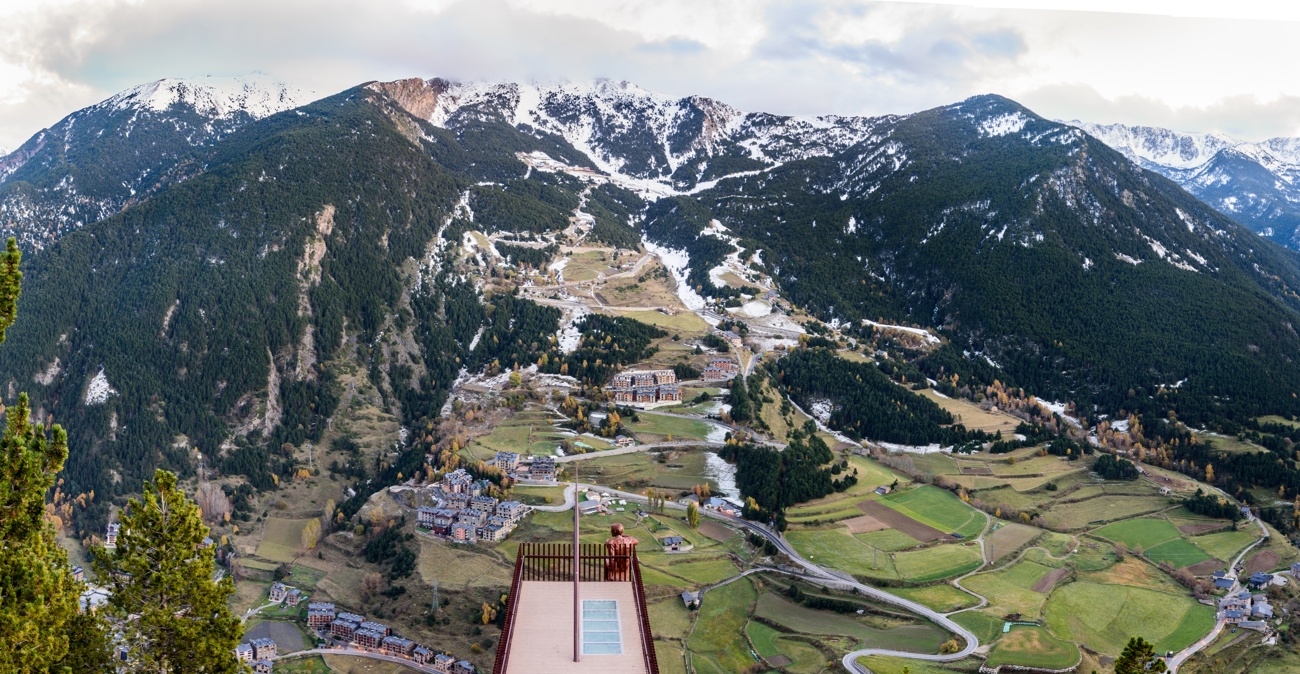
{"x": 1027, "y": 242}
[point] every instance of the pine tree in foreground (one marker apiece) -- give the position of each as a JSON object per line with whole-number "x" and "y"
{"x": 172, "y": 615}
{"x": 40, "y": 629}
{"x": 1139, "y": 657}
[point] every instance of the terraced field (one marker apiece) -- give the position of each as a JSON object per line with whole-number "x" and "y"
{"x": 1033, "y": 647}
{"x": 1105, "y": 616}
{"x": 939, "y": 509}
{"x": 1011, "y": 590}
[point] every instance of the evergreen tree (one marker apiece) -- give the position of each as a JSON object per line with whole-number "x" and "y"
{"x": 163, "y": 599}
{"x": 89, "y": 649}
{"x": 38, "y": 596}
{"x": 1139, "y": 657}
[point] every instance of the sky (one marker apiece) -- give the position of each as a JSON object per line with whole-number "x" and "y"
{"x": 1188, "y": 65}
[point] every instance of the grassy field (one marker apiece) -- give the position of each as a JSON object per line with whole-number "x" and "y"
{"x": 457, "y": 566}
{"x": 685, "y": 323}
{"x": 843, "y": 505}
{"x": 944, "y": 561}
{"x": 1105, "y": 616}
{"x": 695, "y": 573}
{"x": 986, "y": 627}
{"x": 281, "y": 539}
{"x": 890, "y": 540}
{"x": 837, "y": 548}
{"x": 538, "y": 495}
{"x": 1142, "y": 533}
{"x": 1010, "y": 590}
{"x": 1225, "y": 544}
{"x": 1177, "y": 552}
{"x": 715, "y": 641}
{"x": 1104, "y": 508}
{"x": 313, "y": 664}
{"x": 663, "y": 426}
{"x": 920, "y": 638}
{"x": 764, "y": 639}
{"x": 881, "y": 664}
{"x": 942, "y": 598}
{"x": 1228, "y": 443}
{"x": 1033, "y": 647}
{"x": 1009, "y": 538}
{"x": 1275, "y": 419}
{"x": 344, "y": 664}
{"x": 938, "y": 508}
{"x": 514, "y": 438}
{"x": 971, "y": 416}
{"x": 683, "y": 471}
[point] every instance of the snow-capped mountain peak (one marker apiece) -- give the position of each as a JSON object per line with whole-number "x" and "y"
{"x": 1257, "y": 183}
{"x": 218, "y": 97}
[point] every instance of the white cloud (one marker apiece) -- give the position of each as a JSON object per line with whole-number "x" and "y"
{"x": 1217, "y": 66}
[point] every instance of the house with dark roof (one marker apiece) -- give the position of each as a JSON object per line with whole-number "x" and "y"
{"x": 1224, "y": 583}
{"x": 1260, "y": 579}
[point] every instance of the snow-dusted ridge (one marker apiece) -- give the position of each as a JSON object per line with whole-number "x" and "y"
{"x": 219, "y": 97}
{"x": 603, "y": 118}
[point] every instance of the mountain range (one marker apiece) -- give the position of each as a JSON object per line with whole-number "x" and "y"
{"x": 1255, "y": 183}
{"x": 206, "y": 261}
{"x": 99, "y": 160}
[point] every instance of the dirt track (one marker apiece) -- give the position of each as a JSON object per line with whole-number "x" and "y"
{"x": 864, "y": 524}
{"x": 1046, "y": 583}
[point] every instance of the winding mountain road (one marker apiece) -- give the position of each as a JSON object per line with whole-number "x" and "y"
{"x": 815, "y": 573}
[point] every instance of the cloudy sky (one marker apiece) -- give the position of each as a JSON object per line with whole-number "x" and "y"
{"x": 1189, "y": 64}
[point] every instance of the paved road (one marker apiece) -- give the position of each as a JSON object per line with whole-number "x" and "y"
{"x": 1179, "y": 658}
{"x": 356, "y": 653}
{"x": 633, "y": 449}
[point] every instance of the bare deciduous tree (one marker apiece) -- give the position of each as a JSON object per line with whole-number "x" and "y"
{"x": 213, "y": 502}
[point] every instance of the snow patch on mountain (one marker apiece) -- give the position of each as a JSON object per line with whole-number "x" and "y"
{"x": 99, "y": 390}
{"x": 1004, "y": 124}
{"x": 678, "y": 263}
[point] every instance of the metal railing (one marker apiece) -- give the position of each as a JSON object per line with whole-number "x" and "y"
{"x": 554, "y": 562}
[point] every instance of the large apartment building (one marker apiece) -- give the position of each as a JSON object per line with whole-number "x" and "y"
{"x": 645, "y": 388}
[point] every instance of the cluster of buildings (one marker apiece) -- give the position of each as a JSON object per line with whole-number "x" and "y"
{"x": 645, "y": 388}
{"x": 258, "y": 652}
{"x": 1250, "y": 611}
{"x": 720, "y": 369}
{"x": 466, "y": 514}
{"x": 541, "y": 468}
{"x": 291, "y": 596}
{"x": 325, "y": 620}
